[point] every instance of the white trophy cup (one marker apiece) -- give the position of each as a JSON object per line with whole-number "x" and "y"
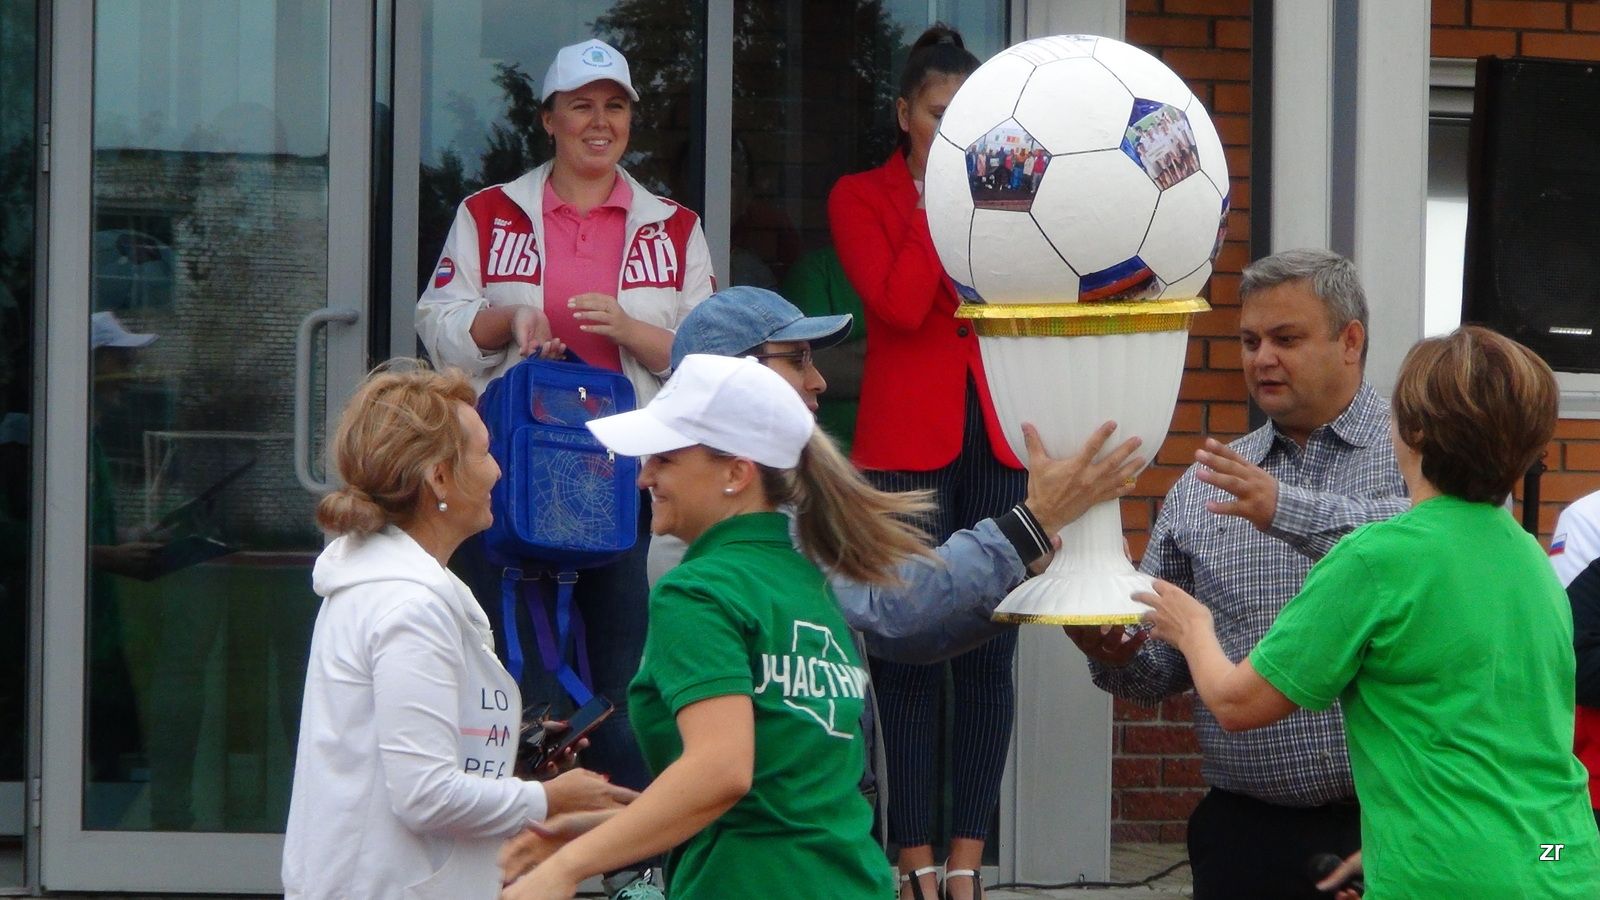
{"x": 1077, "y": 195}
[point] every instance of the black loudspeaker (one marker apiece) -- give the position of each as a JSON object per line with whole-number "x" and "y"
{"x": 1533, "y": 208}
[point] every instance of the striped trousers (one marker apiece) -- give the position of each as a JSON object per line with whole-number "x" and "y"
{"x": 983, "y": 696}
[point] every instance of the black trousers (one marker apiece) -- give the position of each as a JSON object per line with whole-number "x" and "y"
{"x": 1241, "y": 848}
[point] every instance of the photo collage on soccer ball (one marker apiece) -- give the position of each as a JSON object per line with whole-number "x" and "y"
{"x": 1005, "y": 167}
{"x": 1160, "y": 140}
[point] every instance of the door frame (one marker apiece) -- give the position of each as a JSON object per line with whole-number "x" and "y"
{"x": 72, "y": 858}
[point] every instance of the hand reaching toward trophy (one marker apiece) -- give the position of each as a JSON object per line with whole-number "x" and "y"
{"x": 1255, "y": 491}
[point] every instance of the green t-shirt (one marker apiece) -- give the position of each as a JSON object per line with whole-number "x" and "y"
{"x": 1448, "y": 641}
{"x": 744, "y": 613}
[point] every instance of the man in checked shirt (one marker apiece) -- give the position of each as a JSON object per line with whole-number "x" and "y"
{"x": 1240, "y": 530}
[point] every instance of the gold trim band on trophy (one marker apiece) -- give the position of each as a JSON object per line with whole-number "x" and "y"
{"x": 1077, "y": 319}
{"x": 1034, "y": 619}
{"x": 1077, "y": 310}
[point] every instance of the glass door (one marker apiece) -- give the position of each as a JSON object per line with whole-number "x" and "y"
{"x": 18, "y": 189}
{"x": 208, "y": 247}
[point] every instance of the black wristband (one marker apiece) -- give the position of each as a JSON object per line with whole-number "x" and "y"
{"x": 1023, "y": 530}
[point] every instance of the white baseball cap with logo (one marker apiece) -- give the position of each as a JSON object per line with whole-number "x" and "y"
{"x": 735, "y": 405}
{"x": 576, "y": 65}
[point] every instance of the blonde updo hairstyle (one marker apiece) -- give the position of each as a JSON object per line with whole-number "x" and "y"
{"x": 401, "y": 423}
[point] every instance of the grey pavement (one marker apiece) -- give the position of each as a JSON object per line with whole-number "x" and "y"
{"x": 1129, "y": 863}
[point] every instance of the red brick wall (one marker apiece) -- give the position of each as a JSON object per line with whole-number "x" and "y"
{"x": 1562, "y": 30}
{"x": 1155, "y": 770}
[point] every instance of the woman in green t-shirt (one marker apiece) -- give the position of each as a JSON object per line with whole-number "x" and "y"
{"x": 1447, "y": 641}
{"x": 748, "y": 702}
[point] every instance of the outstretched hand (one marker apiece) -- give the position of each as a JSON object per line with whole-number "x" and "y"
{"x": 580, "y": 790}
{"x": 1111, "y": 645}
{"x": 602, "y": 314}
{"x": 537, "y": 842}
{"x": 1350, "y": 868}
{"x": 530, "y": 331}
{"x": 1254, "y": 490}
{"x": 1061, "y": 490}
{"x": 1175, "y": 617}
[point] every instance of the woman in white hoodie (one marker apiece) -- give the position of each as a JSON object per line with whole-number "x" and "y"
{"x": 403, "y": 783}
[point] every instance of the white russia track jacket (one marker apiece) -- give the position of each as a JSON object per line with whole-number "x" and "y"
{"x": 494, "y": 257}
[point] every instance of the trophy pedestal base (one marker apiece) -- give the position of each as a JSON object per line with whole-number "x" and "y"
{"x": 1079, "y": 598}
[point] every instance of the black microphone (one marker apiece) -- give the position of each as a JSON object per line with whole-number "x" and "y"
{"x": 1318, "y": 867}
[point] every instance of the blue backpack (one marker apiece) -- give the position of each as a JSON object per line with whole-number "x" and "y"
{"x": 563, "y": 502}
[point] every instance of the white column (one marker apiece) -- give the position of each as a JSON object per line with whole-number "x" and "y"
{"x": 719, "y": 135}
{"x": 1055, "y": 802}
{"x": 1350, "y": 153}
{"x": 1390, "y": 177}
{"x": 1302, "y": 120}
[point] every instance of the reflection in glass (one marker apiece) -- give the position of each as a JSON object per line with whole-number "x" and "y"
{"x": 18, "y": 57}
{"x": 210, "y": 231}
{"x": 814, "y": 86}
{"x": 483, "y": 68}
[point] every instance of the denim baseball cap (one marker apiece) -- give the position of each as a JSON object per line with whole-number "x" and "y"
{"x": 737, "y": 319}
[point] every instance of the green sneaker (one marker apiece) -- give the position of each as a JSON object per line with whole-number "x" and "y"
{"x": 644, "y": 885}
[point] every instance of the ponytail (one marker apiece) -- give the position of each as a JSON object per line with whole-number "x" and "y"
{"x": 939, "y": 51}
{"x": 350, "y": 510}
{"x": 845, "y": 524}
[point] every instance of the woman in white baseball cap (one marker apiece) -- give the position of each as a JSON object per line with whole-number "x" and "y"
{"x": 748, "y": 703}
{"x": 574, "y": 254}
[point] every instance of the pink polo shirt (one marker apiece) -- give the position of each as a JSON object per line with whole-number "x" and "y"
{"x": 583, "y": 254}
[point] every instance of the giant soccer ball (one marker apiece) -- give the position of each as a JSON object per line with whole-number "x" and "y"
{"x": 1076, "y": 168}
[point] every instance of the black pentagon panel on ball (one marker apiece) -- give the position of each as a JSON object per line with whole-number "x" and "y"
{"x": 1004, "y": 168}
{"x": 1160, "y": 139}
{"x": 1222, "y": 231}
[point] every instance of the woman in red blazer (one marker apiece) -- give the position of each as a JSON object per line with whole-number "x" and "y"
{"x": 926, "y": 422}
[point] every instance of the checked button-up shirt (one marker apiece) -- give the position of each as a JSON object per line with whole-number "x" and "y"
{"x": 1343, "y": 478}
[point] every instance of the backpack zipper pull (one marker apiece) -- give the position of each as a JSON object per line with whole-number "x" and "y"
{"x": 583, "y": 392}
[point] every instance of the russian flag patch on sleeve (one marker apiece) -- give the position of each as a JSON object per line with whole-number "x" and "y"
{"x": 1558, "y": 545}
{"x": 445, "y": 272}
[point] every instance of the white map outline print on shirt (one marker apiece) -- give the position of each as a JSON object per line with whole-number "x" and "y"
{"x": 798, "y": 674}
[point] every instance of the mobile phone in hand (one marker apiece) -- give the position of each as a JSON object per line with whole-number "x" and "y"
{"x": 583, "y": 721}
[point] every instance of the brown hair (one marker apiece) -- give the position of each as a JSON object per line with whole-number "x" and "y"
{"x": 938, "y": 51}
{"x": 1479, "y": 407}
{"x": 845, "y": 524}
{"x": 401, "y": 423}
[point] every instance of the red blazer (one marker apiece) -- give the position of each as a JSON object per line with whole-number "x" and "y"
{"x": 913, "y": 391}
{"x": 1586, "y": 746}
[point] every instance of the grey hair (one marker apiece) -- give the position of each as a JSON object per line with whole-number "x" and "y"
{"x": 1331, "y": 277}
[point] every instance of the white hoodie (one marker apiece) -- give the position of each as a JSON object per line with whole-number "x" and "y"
{"x": 403, "y": 782}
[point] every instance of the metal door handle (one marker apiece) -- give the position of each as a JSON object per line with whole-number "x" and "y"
{"x": 303, "y": 352}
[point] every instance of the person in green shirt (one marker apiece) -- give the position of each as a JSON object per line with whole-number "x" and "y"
{"x": 818, "y": 286}
{"x": 1446, "y": 639}
{"x": 748, "y": 702}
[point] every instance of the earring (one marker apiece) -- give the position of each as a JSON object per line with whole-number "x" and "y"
{"x": 728, "y": 491}
{"x": 443, "y": 506}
